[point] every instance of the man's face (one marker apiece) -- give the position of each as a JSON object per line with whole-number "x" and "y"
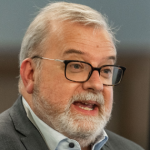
{"x": 75, "y": 109}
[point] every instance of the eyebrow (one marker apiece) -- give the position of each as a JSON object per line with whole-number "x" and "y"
{"x": 113, "y": 58}
{"x": 73, "y": 51}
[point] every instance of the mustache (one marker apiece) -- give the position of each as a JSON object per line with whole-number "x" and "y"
{"x": 99, "y": 98}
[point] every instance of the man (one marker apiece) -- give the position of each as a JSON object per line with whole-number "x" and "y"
{"x": 67, "y": 73}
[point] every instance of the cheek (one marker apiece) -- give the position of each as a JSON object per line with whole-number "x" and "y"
{"x": 57, "y": 90}
{"x": 108, "y": 96}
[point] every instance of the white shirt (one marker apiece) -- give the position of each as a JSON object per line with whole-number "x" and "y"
{"x": 54, "y": 139}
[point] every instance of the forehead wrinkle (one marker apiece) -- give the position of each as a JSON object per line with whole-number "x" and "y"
{"x": 74, "y": 51}
{"x": 100, "y": 44}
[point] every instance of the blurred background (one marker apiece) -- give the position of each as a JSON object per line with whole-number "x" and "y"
{"x": 130, "y": 117}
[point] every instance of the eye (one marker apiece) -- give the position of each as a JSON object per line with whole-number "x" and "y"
{"x": 106, "y": 72}
{"x": 75, "y": 67}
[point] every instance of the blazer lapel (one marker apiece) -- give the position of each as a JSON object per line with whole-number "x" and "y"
{"x": 29, "y": 135}
{"x": 34, "y": 141}
{"x": 107, "y": 146}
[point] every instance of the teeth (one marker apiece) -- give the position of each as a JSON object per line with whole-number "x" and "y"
{"x": 86, "y": 103}
{"x": 85, "y": 108}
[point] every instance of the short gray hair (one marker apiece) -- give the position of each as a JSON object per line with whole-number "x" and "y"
{"x": 60, "y": 11}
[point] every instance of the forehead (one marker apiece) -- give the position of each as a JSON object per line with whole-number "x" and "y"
{"x": 75, "y": 39}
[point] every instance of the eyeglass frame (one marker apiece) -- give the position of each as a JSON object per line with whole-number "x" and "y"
{"x": 93, "y": 68}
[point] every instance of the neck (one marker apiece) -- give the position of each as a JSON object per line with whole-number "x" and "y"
{"x": 86, "y": 148}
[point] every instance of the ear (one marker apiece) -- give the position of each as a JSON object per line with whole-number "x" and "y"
{"x": 27, "y": 75}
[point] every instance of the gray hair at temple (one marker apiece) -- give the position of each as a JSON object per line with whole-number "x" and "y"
{"x": 60, "y": 11}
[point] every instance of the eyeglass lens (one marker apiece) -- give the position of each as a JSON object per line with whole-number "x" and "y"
{"x": 81, "y": 72}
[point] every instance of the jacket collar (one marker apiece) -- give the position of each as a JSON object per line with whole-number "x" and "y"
{"x": 29, "y": 135}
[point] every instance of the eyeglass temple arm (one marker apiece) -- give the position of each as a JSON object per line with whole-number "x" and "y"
{"x": 47, "y": 58}
{"x": 53, "y": 59}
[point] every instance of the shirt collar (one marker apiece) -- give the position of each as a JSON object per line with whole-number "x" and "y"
{"x": 49, "y": 134}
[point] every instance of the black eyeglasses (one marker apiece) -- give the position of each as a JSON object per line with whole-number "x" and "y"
{"x": 80, "y": 71}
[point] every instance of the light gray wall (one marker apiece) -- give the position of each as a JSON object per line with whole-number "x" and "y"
{"x": 132, "y": 17}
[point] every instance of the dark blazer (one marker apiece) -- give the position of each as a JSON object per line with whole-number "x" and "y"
{"x": 18, "y": 133}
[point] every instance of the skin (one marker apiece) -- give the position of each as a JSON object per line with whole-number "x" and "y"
{"x": 74, "y": 42}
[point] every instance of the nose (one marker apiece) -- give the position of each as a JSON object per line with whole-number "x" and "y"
{"x": 94, "y": 83}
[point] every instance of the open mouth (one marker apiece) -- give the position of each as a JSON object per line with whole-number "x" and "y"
{"x": 86, "y": 105}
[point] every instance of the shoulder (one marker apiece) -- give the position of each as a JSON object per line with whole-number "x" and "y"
{"x": 9, "y": 139}
{"x": 120, "y": 143}
{"x": 5, "y": 122}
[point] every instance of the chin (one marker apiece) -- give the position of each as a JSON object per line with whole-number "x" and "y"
{"x": 84, "y": 129}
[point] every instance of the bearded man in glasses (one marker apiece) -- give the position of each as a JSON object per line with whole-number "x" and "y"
{"x": 67, "y": 74}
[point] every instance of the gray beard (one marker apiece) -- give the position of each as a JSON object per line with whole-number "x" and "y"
{"x": 84, "y": 129}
